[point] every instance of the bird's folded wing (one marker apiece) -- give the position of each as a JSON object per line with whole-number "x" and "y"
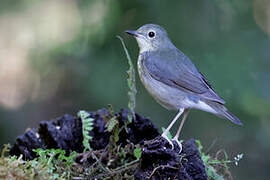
{"x": 175, "y": 69}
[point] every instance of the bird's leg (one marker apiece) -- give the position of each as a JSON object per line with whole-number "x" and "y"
{"x": 164, "y": 134}
{"x": 172, "y": 123}
{"x": 186, "y": 112}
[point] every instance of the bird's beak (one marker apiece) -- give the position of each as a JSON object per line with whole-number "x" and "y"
{"x": 132, "y": 33}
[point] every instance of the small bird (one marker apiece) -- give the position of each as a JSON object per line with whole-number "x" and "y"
{"x": 172, "y": 79}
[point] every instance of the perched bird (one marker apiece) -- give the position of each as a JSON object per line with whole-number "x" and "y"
{"x": 172, "y": 79}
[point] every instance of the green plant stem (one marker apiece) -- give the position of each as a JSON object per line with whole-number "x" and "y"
{"x": 131, "y": 83}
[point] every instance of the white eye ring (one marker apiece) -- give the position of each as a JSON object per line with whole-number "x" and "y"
{"x": 151, "y": 34}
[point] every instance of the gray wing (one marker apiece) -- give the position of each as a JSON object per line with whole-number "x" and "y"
{"x": 175, "y": 69}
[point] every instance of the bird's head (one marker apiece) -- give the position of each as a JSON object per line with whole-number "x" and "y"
{"x": 151, "y": 37}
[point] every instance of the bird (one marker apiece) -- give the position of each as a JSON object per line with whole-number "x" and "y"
{"x": 173, "y": 80}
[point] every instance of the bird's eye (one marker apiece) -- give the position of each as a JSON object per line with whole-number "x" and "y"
{"x": 151, "y": 34}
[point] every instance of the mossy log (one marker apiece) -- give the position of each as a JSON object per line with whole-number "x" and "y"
{"x": 158, "y": 160}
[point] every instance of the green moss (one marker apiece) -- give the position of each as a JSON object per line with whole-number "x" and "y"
{"x": 46, "y": 166}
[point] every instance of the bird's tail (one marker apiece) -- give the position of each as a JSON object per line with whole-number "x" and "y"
{"x": 223, "y": 112}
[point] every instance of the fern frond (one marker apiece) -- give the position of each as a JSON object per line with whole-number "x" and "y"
{"x": 87, "y": 126}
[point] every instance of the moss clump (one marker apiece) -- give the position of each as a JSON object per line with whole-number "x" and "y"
{"x": 13, "y": 167}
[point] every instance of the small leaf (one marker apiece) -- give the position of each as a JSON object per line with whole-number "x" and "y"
{"x": 138, "y": 153}
{"x": 111, "y": 124}
{"x": 116, "y": 133}
{"x": 169, "y": 135}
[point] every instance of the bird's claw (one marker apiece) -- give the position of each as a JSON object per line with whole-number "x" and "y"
{"x": 172, "y": 144}
{"x": 167, "y": 139}
{"x": 179, "y": 145}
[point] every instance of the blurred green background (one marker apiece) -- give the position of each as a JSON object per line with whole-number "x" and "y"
{"x": 60, "y": 57}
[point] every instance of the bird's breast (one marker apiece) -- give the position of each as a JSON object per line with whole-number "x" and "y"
{"x": 167, "y": 96}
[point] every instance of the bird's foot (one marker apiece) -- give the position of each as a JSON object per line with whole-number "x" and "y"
{"x": 175, "y": 144}
{"x": 167, "y": 139}
{"x": 179, "y": 143}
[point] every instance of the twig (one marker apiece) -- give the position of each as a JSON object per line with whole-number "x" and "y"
{"x": 211, "y": 146}
{"x": 126, "y": 165}
{"x": 118, "y": 170}
{"x": 162, "y": 167}
{"x": 78, "y": 178}
{"x": 100, "y": 164}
